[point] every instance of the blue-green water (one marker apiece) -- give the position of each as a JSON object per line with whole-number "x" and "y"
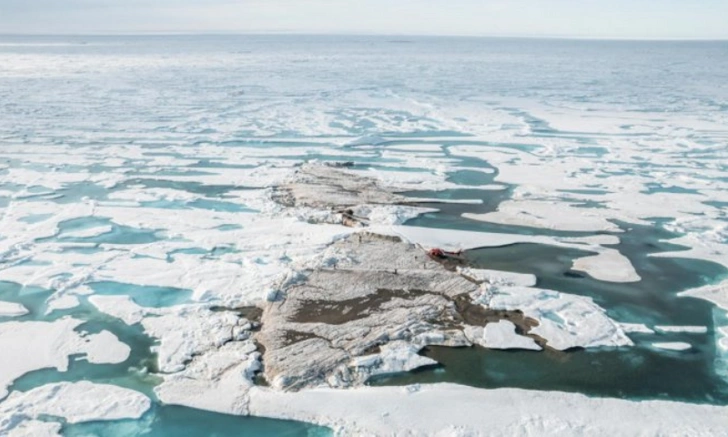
{"x": 640, "y": 372}
{"x": 93, "y": 116}
{"x": 176, "y": 421}
{"x": 146, "y": 296}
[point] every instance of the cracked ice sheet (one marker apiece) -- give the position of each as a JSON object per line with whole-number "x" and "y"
{"x": 217, "y": 380}
{"x": 151, "y": 194}
{"x": 395, "y": 357}
{"x": 500, "y": 335}
{"x": 20, "y": 235}
{"x": 259, "y": 177}
{"x": 29, "y": 346}
{"x": 183, "y": 331}
{"x": 57, "y": 180}
{"x": 565, "y": 321}
{"x": 73, "y": 402}
{"x": 206, "y": 358}
{"x": 418, "y": 411}
{"x": 541, "y": 179}
{"x": 265, "y": 248}
{"x": 268, "y": 249}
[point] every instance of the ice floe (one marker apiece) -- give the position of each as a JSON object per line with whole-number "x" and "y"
{"x": 12, "y": 309}
{"x": 672, "y": 345}
{"x": 500, "y": 335}
{"x": 549, "y": 215}
{"x": 75, "y": 402}
{"x": 565, "y": 321}
{"x": 662, "y": 329}
{"x": 52, "y": 344}
{"x": 716, "y": 293}
{"x": 608, "y": 265}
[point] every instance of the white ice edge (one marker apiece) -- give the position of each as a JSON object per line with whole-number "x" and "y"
{"x": 637, "y": 328}
{"x": 12, "y": 309}
{"x": 672, "y": 345}
{"x": 715, "y": 293}
{"x": 662, "y": 329}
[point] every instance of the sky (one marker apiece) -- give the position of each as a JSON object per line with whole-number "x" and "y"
{"x": 643, "y": 19}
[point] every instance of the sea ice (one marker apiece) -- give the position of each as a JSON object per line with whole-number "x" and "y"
{"x": 395, "y": 357}
{"x": 500, "y": 335}
{"x": 716, "y": 293}
{"x": 565, "y": 321}
{"x": 29, "y": 346}
{"x": 74, "y": 402}
{"x": 12, "y": 309}
{"x": 608, "y": 265}
{"x": 639, "y": 328}
{"x": 215, "y": 380}
{"x": 662, "y": 329}
{"x": 88, "y": 232}
{"x": 418, "y": 411}
{"x": 499, "y": 277}
{"x": 549, "y": 215}
{"x": 184, "y": 331}
{"x": 672, "y": 346}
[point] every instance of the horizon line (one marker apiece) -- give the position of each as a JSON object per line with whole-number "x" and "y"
{"x": 370, "y": 34}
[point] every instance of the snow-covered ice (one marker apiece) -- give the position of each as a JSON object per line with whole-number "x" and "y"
{"x": 418, "y": 411}
{"x": 75, "y": 402}
{"x": 11, "y": 309}
{"x": 672, "y": 345}
{"x": 29, "y": 346}
{"x": 500, "y": 335}
{"x": 122, "y": 164}
{"x": 662, "y": 329}
{"x": 565, "y": 321}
